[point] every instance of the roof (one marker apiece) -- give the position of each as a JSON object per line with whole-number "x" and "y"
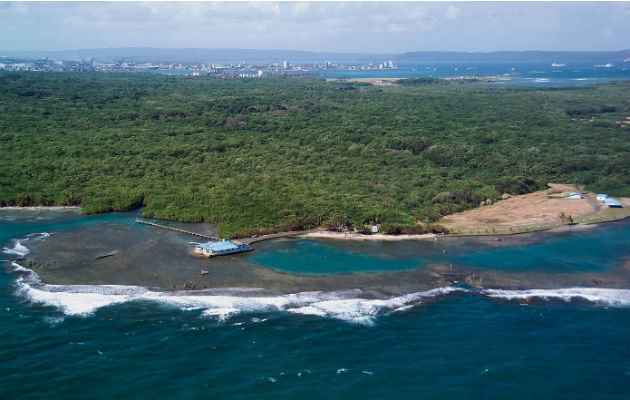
{"x": 218, "y": 246}
{"x": 574, "y": 194}
{"x": 601, "y": 195}
{"x": 612, "y": 202}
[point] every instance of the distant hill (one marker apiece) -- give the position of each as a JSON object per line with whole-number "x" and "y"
{"x": 194, "y": 55}
{"x": 515, "y": 56}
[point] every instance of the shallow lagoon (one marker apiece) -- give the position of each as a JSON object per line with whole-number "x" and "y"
{"x": 594, "y": 255}
{"x": 582, "y": 249}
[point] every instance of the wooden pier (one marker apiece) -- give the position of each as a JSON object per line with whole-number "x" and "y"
{"x": 170, "y": 228}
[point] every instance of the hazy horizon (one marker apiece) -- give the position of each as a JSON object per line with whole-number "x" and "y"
{"x": 312, "y": 51}
{"x": 341, "y": 27}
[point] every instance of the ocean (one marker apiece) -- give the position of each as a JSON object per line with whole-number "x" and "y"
{"x": 460, "y": 341}
{"x": 515, "y": 73}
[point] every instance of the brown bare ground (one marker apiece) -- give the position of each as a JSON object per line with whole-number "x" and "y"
{"x": 533, "y": 211}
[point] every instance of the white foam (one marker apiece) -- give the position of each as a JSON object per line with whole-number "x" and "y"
{"x": 18, "y": 249}
{"x": 86, "y": 299}
{"x": 612, "y": 297}
{"x": 38, "y": 235}
{"x": 70, "y": 303}
{"x": 364, "y": 310}
{"x": 221, "y": 313}
{"x": 15, "y": 267}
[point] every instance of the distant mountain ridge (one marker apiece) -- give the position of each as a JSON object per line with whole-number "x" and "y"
{"x": 515, "y": 56}
{"x": 196, "y": 55}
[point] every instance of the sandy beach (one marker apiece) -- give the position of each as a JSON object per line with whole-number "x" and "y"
{"x": 357, "y": 236}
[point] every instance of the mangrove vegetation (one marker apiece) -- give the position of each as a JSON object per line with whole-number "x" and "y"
{"x": 261, "y": 155}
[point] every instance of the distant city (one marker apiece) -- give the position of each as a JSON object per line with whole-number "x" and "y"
{"x": 240, "y": 70}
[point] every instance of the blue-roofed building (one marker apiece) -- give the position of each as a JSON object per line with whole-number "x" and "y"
{"x": 610, "y": 202}
{"x": 220, "y": 248}
{"x": 602, "y": 197}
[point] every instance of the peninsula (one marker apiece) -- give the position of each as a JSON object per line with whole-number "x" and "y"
{"x": 261, "y": 156}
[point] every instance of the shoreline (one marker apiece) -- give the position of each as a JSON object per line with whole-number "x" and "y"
{"x": 324, "y": 234}
{"x": 426, "y": 236}
{"x": 390, "y": 81}
{"x": 358, "y": 236}
{"x": 146, "y": 258}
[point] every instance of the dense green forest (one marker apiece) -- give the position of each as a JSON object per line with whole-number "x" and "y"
{"x": 277, "y": 153}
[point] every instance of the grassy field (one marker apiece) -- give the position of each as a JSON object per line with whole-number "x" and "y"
{"x": 263, "y": 155}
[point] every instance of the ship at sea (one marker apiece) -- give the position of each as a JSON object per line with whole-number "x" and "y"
{"x": 558, "y": 65}
{"x": 607, "y": 65}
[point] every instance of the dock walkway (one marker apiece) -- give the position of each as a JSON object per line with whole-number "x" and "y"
{"x": 171, "y": 228}
{"x": 275, "y": 236}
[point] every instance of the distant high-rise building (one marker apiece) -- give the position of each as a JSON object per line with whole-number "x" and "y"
{"x": 391, "y": 64}
{"x": 285, "y": 64}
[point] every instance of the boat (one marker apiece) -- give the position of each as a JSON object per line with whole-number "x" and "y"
{"x": 558, "y": 65}
{"x": 608, "y": 65}
{"x": 220, "y": 248}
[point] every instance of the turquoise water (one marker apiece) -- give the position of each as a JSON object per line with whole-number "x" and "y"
{"x": 452, "y": 347}
{"x": 315, "y": 257}
{"x": 600, "y": 249}
{"x": 590, "y": 251}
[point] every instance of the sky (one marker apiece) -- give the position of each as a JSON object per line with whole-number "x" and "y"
{"x": 355, "y": 27}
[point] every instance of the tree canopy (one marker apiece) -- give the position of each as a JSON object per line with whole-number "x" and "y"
{"x": 267, "y": 154}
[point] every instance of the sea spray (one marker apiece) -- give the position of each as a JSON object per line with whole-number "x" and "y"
{"x": 604, "y": 296}
{"x": 84, "y": 300}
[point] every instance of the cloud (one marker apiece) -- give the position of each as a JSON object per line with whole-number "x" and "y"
{"x": 452, "y": 12}
{"x": 319, "y": 26}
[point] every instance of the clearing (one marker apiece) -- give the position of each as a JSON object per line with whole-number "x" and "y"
{"x": 535, "y": 211}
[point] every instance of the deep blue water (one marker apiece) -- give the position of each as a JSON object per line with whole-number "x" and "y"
{"x": 519, "y": 73}
{"x": 458, "y": 346}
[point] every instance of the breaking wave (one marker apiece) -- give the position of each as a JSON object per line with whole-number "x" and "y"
{"x": 347, "y": 305}
{"x": 19, "y": 249}
{"x": 611, "y": 297}
{"x": 344, "y": 305}
{"x": 363, "y": 310}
